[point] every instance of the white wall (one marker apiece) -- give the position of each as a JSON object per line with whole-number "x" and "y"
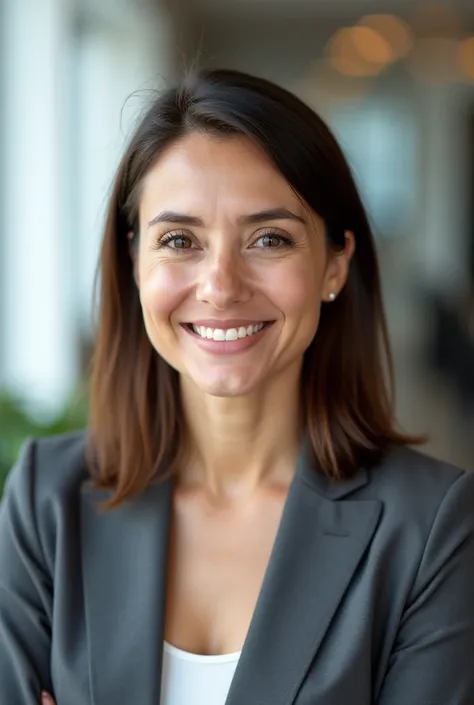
{"x": 66, "y": 77}
{"x": 38, "y": 346}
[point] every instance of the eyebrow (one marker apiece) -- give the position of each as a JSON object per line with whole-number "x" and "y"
{"x": 250, "y": 219}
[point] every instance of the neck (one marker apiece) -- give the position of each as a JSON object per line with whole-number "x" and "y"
{"x": 234, "y": 445}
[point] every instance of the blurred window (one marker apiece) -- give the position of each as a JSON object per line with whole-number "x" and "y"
{"x": 379, "y": 139}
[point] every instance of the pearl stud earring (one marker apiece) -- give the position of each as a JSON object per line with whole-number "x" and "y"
{"x": 332, "y": 296}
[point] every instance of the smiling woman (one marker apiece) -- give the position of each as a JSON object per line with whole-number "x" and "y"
{"x": 242, "y": 522}
{"x": 234, "y": 222}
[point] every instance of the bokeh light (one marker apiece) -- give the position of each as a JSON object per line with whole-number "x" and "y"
{"x": 344, "y": 51}
{"x": 466, "y": 58}
{"x": 396, "y": 33}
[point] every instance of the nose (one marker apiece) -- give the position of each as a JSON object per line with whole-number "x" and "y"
{"x": 223, "y": 281}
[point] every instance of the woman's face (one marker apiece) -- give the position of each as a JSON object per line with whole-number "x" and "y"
{"x": 231, "y": 267}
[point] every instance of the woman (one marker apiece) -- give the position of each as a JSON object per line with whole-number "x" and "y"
{"x": 242, "y": 522}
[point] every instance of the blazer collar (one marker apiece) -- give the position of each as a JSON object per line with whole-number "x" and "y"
{"x": 306, "y": 469}
{"x": 319, "y": 544}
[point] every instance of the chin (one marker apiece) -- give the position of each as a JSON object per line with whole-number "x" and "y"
{"x": 225, "y": 386}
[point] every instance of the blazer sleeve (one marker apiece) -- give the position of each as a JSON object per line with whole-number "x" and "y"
{"x": 25, "y": 590}
{"x": 432, "y": 662}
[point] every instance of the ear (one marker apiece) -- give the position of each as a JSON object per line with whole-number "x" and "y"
{"x": 132, "y": 238}
{"x": 337, "y": 269}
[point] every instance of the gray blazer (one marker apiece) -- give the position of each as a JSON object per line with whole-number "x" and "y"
{"x": 368, "y": 596}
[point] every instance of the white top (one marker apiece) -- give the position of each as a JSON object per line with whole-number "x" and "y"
{"x": 190, "y": 679}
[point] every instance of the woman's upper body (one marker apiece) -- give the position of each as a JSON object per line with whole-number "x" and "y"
{"x": 240, "y": 312}
{"x": 368, "y": 596}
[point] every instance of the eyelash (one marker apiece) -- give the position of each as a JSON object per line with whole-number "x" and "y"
{"x": 164, "y": 241}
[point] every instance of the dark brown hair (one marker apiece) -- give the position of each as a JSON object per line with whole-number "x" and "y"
{"x": 347, "y": 372}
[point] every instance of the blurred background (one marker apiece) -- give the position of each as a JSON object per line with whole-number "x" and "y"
{"x": 393, "y": 78}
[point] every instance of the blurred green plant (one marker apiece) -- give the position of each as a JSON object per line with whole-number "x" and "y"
{"x": 16, "y": 425}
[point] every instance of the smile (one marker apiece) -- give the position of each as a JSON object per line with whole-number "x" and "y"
{"x": 227, "y": 334}
{"x": 231, "y": 338}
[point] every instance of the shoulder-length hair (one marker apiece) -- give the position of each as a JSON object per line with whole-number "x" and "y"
{"x": 346, "y": 382}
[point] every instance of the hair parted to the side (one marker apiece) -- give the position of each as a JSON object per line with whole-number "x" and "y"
{"x": 347, "y": 385}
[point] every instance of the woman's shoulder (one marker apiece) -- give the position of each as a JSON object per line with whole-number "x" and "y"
{"x": 413, "y": 485}
{"x": 48, "y": 468}
{"x": 406, "y": 468}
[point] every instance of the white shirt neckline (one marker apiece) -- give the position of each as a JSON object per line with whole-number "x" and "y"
{"x": 200, "y": 658}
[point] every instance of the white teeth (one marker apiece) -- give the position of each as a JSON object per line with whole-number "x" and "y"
{"x": 219, "y": 334}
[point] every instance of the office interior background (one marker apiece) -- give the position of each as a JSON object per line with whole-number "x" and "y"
{"x": 393, "y": 78}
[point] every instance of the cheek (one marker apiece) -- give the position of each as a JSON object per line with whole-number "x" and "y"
{"x": 162, "y": 288}
{"x": 296, "y": 290}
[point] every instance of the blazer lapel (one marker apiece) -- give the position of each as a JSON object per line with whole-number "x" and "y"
{"x": 124, "y": 564}
{"x": 319, "y": 545}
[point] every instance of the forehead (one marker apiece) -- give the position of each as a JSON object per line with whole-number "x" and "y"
{"x": 202, "y": 170}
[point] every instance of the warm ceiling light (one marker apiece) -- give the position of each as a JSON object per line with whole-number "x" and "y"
{"x": 396, "y": 33}
{"x": 371, "y": 46}
{"x": 346, "y": 58}
{"x": 466, "y": 57}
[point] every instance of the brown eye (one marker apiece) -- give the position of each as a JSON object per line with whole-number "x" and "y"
{"x": 176, "y": 241}
{"x": 272, "y": 241}
{"x": 180, "y": 243}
